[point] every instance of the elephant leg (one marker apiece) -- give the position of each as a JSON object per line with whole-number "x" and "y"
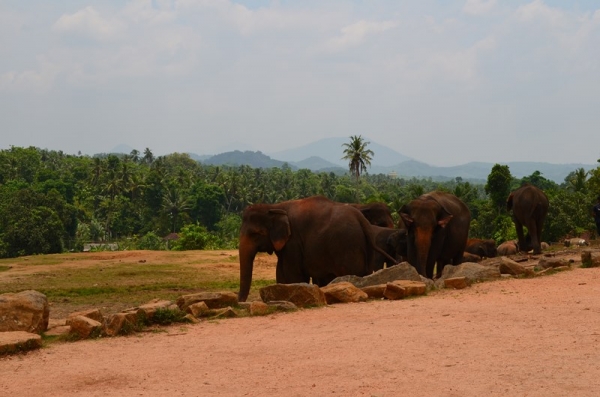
{"x": 535, "y": 238}
{"x": 520, "y": 235}
{"x": 288, "y": 274}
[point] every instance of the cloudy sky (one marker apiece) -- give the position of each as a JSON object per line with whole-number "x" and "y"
{"x": 445, "y": 82}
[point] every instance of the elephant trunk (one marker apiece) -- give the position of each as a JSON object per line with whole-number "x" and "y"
{"x": 422, "y": 245}
{"x": 247, "y": 253}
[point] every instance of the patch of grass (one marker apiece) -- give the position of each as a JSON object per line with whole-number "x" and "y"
{"x": 115, "y": 285}
{"x": 168, "y": 317}
{"x": 4, "y": 268}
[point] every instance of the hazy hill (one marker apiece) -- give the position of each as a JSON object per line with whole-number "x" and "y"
{"x": 253, "y": 159}
{"x": 331, "y": 150}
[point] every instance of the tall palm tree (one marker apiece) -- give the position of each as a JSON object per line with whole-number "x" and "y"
{"x": 358, "y": 156}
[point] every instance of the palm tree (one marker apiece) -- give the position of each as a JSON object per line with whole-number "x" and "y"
{"x": 359, "y": 157}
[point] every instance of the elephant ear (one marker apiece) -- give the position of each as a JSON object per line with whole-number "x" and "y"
{"x": 444, "y": 221}
{"x": 280, "y": 231}
{"x": 509, "y": 202}
{"x": 406, "y": 218}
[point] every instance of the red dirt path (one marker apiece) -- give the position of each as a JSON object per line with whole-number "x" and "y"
{"x": 516, "y": 337}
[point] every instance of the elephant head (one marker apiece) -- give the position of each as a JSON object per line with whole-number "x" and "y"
{"x": 424, "y": 219}
{"x": 264, "y": 229}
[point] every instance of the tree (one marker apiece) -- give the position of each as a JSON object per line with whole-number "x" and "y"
{"x": 358, "y": 156}
{"x": 498, "y": 185}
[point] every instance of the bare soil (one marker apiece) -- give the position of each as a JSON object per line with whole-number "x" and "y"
{"x": 512, "y": 337}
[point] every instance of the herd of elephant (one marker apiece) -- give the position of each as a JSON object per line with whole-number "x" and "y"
{"x": 319, "y": 239}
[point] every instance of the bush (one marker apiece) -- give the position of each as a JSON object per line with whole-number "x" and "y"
{"x": 194, "y": 237}
{"x": 150, "y": 241}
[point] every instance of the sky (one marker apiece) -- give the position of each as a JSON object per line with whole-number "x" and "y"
{"x": 444, "y": 82}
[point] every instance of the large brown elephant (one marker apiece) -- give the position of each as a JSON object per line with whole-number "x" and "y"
{"x": 312, "y": 238}
{"x": 529, "y": 207}
{"x": 376, "y": 213}
{"x": 438, "y": 226}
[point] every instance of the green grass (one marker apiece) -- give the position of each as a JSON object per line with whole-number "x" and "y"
{"x": 114, "y": 286}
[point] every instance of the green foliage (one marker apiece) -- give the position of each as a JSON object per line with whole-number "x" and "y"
{"x": 194, "y": 237}
{"x": 498, "y": 185}
{"x": 150, "y": 241}
{"x": 50, "y": 201}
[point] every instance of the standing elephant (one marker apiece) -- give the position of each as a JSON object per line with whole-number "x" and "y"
{"x": 376, "y": 213}
{"x": 390, "y": 240}
{"x": 312, "y": 237}
{"x": 529, "y": 206}
{"x": 482, "y": 247}
{"x": 438, "y": 226}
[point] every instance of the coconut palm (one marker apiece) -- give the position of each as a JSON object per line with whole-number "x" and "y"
{"x": 358, "y": 156}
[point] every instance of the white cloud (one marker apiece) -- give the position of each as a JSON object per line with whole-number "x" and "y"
{"x": 37, "y": 81}
{"x": 355, "y": 34}
{"x": 478, "y": 7}
{"x": 89, "y": 23}
{"x": 539, "y": 11}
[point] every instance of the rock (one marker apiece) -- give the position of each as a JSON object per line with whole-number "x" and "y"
{"x": 508, "y": 266}
{"x": 374, "y": 291}
{"x": 227, "y": 312}
{"x": 93, "y": 314}
{"x": 258, "y": 308}
{"x": 213, "y": 300}
{"x": 343, "y": 292}
{"x": 198, "y": 309}
{"x": 58, "y": 330}
{"x": 412, "y": 288}
{"x": 546, "y": 263}
{"x": 85, "y": 327}
{"x": 544, "y": 245}
{"x": 24, "y": 311}
{"x": 472, "y": 271}
{"x": 590, "y": 258}
{"x": 300, "y": 294}
{"x": 283, "y": 306}
{"x": 402, "y": 271}
{"x": 147, "y": 310}
{"x": 456, "y": 282}
{"x": 120, "y": 323}
{"x": 394, "y": 291}
{"x": 18, "y": 341}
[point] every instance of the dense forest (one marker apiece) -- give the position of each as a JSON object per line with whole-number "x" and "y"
{"x": 53, "y": 202}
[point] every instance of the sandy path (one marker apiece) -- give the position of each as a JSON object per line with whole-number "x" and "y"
{"x": 525, "y": 337}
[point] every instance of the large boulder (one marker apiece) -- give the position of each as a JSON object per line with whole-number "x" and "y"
{"x": 402, "y": 271}
{"x": 343, "y": 293}
{"x": 473, "y": 272}
{"x": 24, "y": 311}
{"x": 85, "y": 327}
{"x": 213, "y": 300}
{"x": 300, "y": 294}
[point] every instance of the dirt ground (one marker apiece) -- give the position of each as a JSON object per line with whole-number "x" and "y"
{"x": 513, "y": 337}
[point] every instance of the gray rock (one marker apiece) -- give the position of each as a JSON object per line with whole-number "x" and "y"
{"x": 24, "y": 311}
{"x": 283, "y": 306}
{"x": 402, "y": 271}
{"x": 473, "y": 272}
{"x": 300, "y": 294}
{"x": 590, "y": 258}
{"x": 508, "y": 266}
{"x": 546, "y": 263}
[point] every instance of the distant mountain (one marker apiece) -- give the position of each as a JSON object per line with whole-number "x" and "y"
{"x": 315, "y": 163}
{"x": 122, "y": 148}
{"x": 253, "y": 159}
{"x": 331, "y": 150}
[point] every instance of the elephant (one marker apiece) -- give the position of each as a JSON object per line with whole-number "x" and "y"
{"x": 482, "y": 247}
{"x": 508, "y": 248}
{"x": 438, "y": 227}
{"x": 312, "y": 237}
{"x": 529, "y": 207}
{"x": 392, "y": 241}
{"x": 376, "y": 213}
